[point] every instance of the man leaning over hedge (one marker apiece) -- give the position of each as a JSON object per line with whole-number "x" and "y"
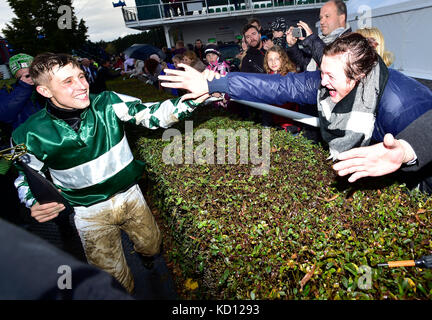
{"x": 81, "y": 141}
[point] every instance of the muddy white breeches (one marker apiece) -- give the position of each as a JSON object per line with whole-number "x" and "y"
{"x": 99, "y": 228}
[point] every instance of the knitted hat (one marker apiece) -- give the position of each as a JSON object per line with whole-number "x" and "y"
{"x": 19, "y": 61}
{"x": 279, "y": 24}
{"x": 212, "y": 48}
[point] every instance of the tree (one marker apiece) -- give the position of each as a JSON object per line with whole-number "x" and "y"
{"x": 42, "y": 26}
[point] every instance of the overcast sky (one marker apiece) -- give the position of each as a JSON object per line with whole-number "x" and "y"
{"x": 102, "y": 20}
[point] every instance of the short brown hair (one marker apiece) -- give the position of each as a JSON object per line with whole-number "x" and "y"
{"x": 341, "y": 8}
{"x": 191, "y": 55}
{"x": 249, "y": 26}
{"x": 44, "y": 63}
{"x": 361, "y": 55}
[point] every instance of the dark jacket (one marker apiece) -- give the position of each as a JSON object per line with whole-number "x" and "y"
{"x": 403, "y": 99}
{"x": 253, "y": 61}
{"x": 103, "y": 74}
{"x": 33, "y": 269}
{"x": 18, "y": 103}
{"x": 312, "y": 47}
{"x": 419, "y": 135}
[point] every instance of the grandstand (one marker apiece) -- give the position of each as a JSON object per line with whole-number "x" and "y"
{"x": 215, "y": 19}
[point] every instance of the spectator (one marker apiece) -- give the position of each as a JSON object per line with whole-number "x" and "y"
{"x": 359, "y": 98}
{"x": 276, "y": 61}
{"x": 79, "y": 138}
{"x": 375, "y": 33}
{"x": 90, "y": 73}
{"x": 254, "y": 58}
{"x": 137, "y": 71}
{"x": 333, "y": 15}
{"x": 129, "y": 64}
{"x": 253, "y": 62}
{"x": 19, "y": 101}
{"x": 152, "y": 69}
{"x": 192, "y": 60}
{"x": 199, "y": 50}
{"x": 221, "y": 67}
{"x": 212, "y": 56}
{"x": 178, "y": 58}
{"x": 179, "y": 48}
{"x": 103, "y": 75}
{"x": 278, "y": 27}
{"x": 177, "y": 5}
{"x": 118, "y": 63}
{"x": 411, "y": 153}
{"x": 243, "y": 50}
{"x": 24, "y": 250}
{"x": 168, "y": 54}
{"x": 255, "y": 22}
{"x": 167, "y": 7}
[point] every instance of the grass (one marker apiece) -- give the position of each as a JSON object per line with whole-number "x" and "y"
{"x": 298, "y": 232}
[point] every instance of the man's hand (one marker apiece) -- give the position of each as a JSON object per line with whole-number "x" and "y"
{"x": 376, "y": 160}
{"x": 306, "y": 28}
{"x": 47, "y": 211}
{"x": 189, "y": 79}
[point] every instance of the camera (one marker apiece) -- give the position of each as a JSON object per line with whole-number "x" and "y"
{"x": 298, "y": 33}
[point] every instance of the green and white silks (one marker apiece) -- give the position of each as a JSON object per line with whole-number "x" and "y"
{"x": 91, "y": 165}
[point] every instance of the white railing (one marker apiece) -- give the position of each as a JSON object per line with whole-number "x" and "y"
{"x": 184, "y": 9}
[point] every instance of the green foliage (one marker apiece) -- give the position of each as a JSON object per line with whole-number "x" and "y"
{"x": 299, "y": 232}
{"x": 22, "y": 34}
{"x": 155, "y": 37}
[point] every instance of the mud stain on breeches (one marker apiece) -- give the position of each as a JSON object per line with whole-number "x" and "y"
{"x": 101, "y": 236}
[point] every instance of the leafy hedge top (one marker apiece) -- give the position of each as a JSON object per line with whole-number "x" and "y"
{"x": 298, "y": 232}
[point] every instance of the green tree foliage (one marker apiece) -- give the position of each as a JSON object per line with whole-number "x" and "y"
{"x": 36, "y": 27}
{"x": 154, "y": 37}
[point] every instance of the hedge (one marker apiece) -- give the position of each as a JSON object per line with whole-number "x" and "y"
{"x": 298, "y": 232}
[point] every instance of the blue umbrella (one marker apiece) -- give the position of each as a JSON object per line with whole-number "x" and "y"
{"x": 143, "y": 52}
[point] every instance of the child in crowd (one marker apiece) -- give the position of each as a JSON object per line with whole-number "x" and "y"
{"x": 176, "y": 59}
{"x": 276, "y": 61}
{"x": 212, "y": 55}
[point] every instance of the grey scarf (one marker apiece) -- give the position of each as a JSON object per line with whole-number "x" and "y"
{"x": 350, "y": 122}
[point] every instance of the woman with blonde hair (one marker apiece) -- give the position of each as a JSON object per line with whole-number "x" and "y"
{"x": 190, "y": 58}
{"x": 376, "y": 34}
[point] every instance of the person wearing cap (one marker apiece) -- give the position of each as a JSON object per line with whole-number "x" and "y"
{"x": 212, "y": 55}
{"x": 19, "y": 101}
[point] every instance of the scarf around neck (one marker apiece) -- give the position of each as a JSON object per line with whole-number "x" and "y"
{"x": 350, "y": 122}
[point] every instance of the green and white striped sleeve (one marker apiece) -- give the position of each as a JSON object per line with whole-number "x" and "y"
{"x": 24, "y": 193}
{"x": 152, "y": 115}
